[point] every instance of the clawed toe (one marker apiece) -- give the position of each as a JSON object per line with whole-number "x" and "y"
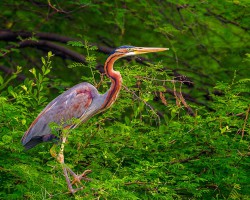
{"x": 77, "y": 179}
{"x": 73, "y": 191}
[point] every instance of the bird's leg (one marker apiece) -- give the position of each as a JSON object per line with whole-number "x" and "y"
{"x": 60, "y": 159}
{"x": 77, "y": 178}
{"x": 60, "y": 156}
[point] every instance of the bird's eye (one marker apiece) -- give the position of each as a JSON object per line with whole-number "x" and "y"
{"x": 129, "y": 49}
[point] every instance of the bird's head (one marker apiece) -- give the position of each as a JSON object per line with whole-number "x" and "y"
{"x": 131, "y": 50}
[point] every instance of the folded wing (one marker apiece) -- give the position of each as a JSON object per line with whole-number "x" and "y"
{"x": 72, "y": 104}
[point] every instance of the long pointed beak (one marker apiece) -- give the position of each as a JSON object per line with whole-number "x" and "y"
{"x": 142, "y": 50}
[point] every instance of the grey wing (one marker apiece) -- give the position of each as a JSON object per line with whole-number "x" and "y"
{"x": 74, "y": 103}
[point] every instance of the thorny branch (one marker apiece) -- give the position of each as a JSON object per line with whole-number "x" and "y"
{"x": 157, "y": 113}
{"x": 224, "y": 20}
{"x": 245, "y": 122}
{"x": 60, "y": 10}
{"x": 192, "y": 157}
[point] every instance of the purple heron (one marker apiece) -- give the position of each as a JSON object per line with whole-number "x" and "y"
{"x": 79, "y": 102}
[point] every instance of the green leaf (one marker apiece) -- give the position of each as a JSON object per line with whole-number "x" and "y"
{"x": 7, "y": 139}
{"x": 43, "y": 61}
{"x": 33, "y": 71}
{"x": 50, "y": 54}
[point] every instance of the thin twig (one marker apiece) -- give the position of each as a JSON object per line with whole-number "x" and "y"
{"x": 190, "y": 158}
{"x": 245, "y": 122}
{"x": 63, "y": 11}
{"x": 162, "y": 80}
{"x": 11, "y": 71}
{"x": 227, "y": 21}
{"x": 157, "y": 113}
{"x": 54, "y": 8}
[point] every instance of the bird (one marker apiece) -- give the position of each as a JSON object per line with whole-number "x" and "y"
{"x": 80, "y": 102}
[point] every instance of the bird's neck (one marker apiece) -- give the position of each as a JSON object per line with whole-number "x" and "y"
{"x": 116, "y": 81}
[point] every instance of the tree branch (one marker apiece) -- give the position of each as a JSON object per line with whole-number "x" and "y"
{"x": 226, "y": 21}
{"x": 10, "y": 71}
{"x": 7, "y": 35}
{"x": 191, "y": 158}
{"x": 49, "y": 46}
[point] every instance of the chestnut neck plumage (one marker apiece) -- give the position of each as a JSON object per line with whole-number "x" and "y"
{"x": 116, "y": 80}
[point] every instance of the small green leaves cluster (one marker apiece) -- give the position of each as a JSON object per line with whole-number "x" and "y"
{"x": 40, "y": 80}
{"x": 90, "y": 65}
{"x": 33, "y": 89}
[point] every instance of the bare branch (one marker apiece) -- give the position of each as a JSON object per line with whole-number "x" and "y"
{"x": 186, "y": 96}
{"x": 227, "y": 21}
{"x": 54, "y": 8}
{"x": 245, "y": 122}
{"x": 192, "y": 157}
{"x": 10, "y": 71}
{"x": 7, "y": 35}
{"x": 49, "y": 46}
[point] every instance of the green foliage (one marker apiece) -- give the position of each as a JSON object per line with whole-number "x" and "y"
{"x": 131, "y": 153}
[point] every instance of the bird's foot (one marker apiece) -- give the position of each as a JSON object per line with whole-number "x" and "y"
{"x": 76, "y": 180}
{"x": 73, "y": 191}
